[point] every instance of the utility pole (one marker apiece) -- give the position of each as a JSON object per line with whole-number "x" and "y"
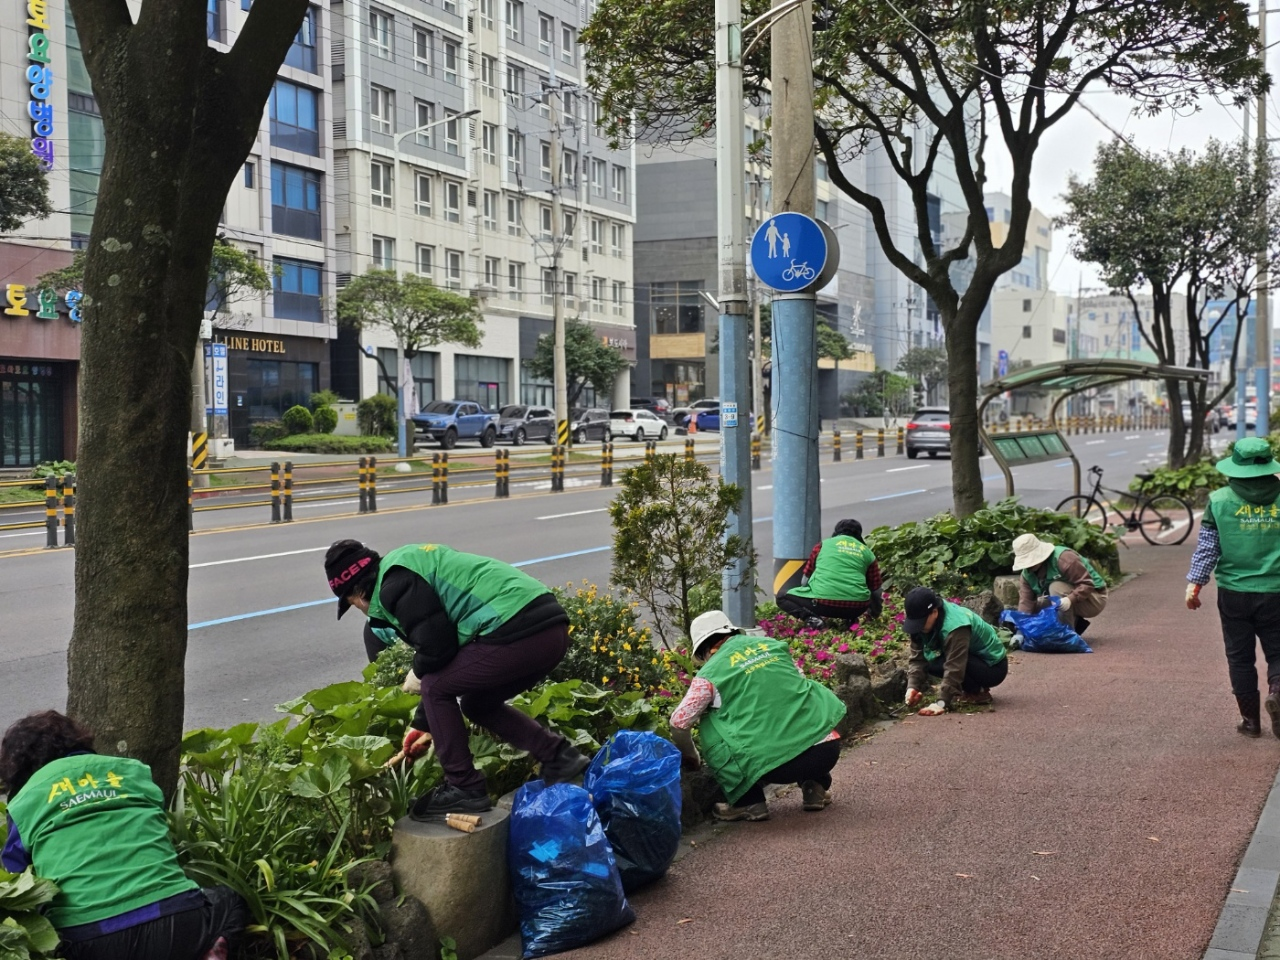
{"x": 738, "y": 583}
{"x": 797, "y": 511}
{"x": 757, "y": 367}
{"x": 557, "y": 246}
{"x": 1262, "y": 325}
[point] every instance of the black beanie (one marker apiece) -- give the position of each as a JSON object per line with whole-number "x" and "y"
{"x": 349, "y": 564}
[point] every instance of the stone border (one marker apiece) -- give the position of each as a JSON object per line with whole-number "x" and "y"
{"x": 1243, "y": 921}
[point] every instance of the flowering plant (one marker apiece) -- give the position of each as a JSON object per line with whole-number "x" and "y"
{"x": 608, "y": 645}
{"x": 815, "y": 651}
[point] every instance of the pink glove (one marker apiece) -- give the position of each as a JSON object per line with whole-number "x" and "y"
{"x": 1193, "y": 596}
{"x": 416, "y": 743}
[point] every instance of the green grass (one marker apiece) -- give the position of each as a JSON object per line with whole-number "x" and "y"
{"x": 22, "y": 494}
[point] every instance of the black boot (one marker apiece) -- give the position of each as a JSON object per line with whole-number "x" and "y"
{"x": 1273, "y": 705}
{"x": 567, "y": 764}
{"x": 1081, "y": 625}
{"x": 1250, "y": 714}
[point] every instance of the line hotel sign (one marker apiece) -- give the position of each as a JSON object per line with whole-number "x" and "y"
{"x": 40, "y": 78}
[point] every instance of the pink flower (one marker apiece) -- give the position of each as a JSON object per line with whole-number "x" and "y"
{"x": 843, "y": 648}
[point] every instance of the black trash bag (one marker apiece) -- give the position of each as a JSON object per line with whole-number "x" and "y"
{"x": 634, "y": 782}
{"x": 563, "y": 874}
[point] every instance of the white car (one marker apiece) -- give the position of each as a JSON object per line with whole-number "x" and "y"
{"x": 637, "y": 424}
{"x": 680, "y": 414}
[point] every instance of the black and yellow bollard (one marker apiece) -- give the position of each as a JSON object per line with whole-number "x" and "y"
{"x": 755, "y": 452}
{"x": 191, "y": 507}
{"x": 689, "y": 454}
{"x": 288, "y": 491}
{"x": 835, "y": 446}
{"x": 435, "y": 479}
{"x": 275, "y": 492}
{"x": 364, "y": 484}
{"x": 444, "y": 477}
{"x": 562, "y": 433}
{"x": 497, "y": 473}
{"x": 199, "y": 451}
{"x": 557, "y": 468}
{"x": 857, "y": 445}
{"x": 506, "y": 473}
{"x": 604, "y": 463}
{"x": 609, "y": 454}
{"x": 880, "y": 442}
{"x": 902, "y": 441}
{"x": 650, "y": 449}
{"x": 69, "y": 510}
{"x": 50, "y": 512}
{"x": 760, "y": 423}
{"x": 373, "y": 484}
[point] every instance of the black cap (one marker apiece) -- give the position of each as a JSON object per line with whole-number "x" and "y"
{"x": 920, "y": 602}
{"x": 347, "y": 564}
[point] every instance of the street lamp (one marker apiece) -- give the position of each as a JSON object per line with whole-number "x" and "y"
{"x": 402, "y": 440}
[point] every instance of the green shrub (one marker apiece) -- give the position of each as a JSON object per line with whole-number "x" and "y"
{"x": 961, "y": 556}
{"x": 325, "y": 419}
{"x": 376, "y": 415}
{"x": 1194, "y": 482}
{"x": 608, "y": 644}
{"x": 328, "y": 443}
{"x": 24, "y": 932}
{"x": 298, "y": 419}
{"x": 53, "y": 468}
{"x": 265, "y": 431}
{"x": 323, "y": 398}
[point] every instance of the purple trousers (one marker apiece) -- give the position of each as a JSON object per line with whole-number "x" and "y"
{"x": 478, "y": 682}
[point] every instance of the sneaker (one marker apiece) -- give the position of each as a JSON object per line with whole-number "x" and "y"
{"x": 446, "y": 798}
{"x": 567, "y": 764}
{"x": 753, "y": 812}
{"x": 1081, "y": 626}
{"x": 815, "y": 795}
{"x": 979, "y": 699}
{"x": 1272, "y": 704}
{"x": 816, "y": 623}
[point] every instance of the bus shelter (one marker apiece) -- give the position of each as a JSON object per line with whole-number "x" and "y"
{"x": 1067, "y": 378}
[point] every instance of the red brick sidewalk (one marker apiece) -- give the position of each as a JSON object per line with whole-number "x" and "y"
{"x": 1098, "y": 812}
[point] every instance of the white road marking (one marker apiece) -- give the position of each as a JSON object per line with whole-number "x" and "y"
{"x": 1134, "y": 436}
{"x": 326, "y": 503}
{"x": 261, "y": 556}
{"x": 1090, "y": 443}
{"x": 576, "y": 513}
{"x": 29, "y": 533}
{"x": 918, "y": 466}
{"x": 890, "y": 496}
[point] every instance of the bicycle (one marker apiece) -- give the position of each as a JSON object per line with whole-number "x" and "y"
{"x": 1163, "y": 520}
{"x": 800, "y": 271}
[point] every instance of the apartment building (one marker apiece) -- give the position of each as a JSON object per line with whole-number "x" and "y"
{"x": 444, "y": 134}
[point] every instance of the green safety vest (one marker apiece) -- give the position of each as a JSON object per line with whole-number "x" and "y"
{"x": 768, "y": 712}
{"x": 96, "y": 827}
{"x": 985, "y": 642}
{"x": 840, "y": 572}
{"x": 479, "y": 594}
{"x": 1249, "y": 536}
{"x": 1053, "y": 574}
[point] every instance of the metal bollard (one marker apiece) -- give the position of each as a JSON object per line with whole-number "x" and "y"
{"x": 50, "y": 512}
{"x": 373, "y": 484}
{"x": 608, "y": 446}
{"x": 689, "y": 454}
{"x": 191, "y": 507}
{"x": 880, "y": 442}
{"x": 497, "y": 473}
{"x": 902, "y": 441}
{"x": 435, "y": 479}
{"x": 835, "y": 446}
{"x": 69, "y": 510}
{"x": 604, "y": 464}
{"x": 444, "y": 477}
{"x": 275, "y": 492}
{"x": 650, "y": 449}
{"x": 506, "y": 473}
{"x": 364, "y": 484}
{"x": 288, "y": 491}
{"x": 857, "y": 445}
{"x": 755, "y": 452}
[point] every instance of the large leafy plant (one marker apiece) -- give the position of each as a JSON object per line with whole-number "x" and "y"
{"x": 24, "y": 932}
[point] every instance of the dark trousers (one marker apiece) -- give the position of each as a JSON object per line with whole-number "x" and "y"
{"x": 816, "y": 763}
{"x": 802, "y": 608}
{"x": 478, "y": 682}
{"x": 188, "y": 935}
{"x": 1246, "y": 616}
{"x": 978, "y": 674}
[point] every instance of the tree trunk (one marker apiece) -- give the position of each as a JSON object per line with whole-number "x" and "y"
{"x": 962, "y": 384}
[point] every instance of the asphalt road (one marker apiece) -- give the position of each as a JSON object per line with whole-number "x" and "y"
{"x": 262, "y": 621}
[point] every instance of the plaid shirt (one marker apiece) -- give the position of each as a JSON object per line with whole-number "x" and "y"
{"x": 1205, "y": 558}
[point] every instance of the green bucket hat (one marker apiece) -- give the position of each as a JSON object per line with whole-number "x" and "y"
{"x": 1250, "y": 457}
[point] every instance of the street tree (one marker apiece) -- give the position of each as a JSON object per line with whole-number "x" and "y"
{"x": 588, "y": 360}
{"x": 411, "y": 308}
{"x": 24, "y": 184}
{"x": 926, "y": 367}
{"x": 1194, "y": 221}
{"x": 179, "y": 119}
{"x": 933, "y": 86}
{"x": 882, "y": 394}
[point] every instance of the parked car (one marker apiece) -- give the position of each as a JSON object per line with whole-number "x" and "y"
{"x": 588, "y": 424}
{"x": 637, "y": 424}
{"x": 929, "y": 431}
{"x": 519, "y": 422}
{"x": 1250, "y": 416}
{"x": 1212, "y": 422}
{"x": 657, "y": 405}
{"x": 448, "y": 421}
{"x": 680, "y": 415}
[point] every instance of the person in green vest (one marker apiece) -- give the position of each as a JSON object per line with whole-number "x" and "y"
{"x": 1054, "y": 571}
{"x": 482, "y": 632}
{"x": 841, "y": 580}
{"x": 1239, "y": 545}
{"x": 952, "y": 642}
{"x": 759, "y": 718}
{"x": 95, "y": 825}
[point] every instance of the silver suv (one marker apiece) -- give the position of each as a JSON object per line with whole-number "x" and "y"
{"x": 929, "y": 430}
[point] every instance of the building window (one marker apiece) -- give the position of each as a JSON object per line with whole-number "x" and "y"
{"x": 422, "y": 366}
{"x": 1026, "y": 332}
{"x": 492, "y": 268}
{"x": 515, "y": 82}
{"x": 302, "y": 52}
{"x": 491, "y": 210}
{"x": 619, "y": 184}
{"x": 450, "y": 6}
{"x": 424, "y": 114}
{"x": 569, "y": 168}
{"x": 544, "y": 160}
{"x": 619, "y": 299}
{"x": 248, "y": 174}
{"x": 515, "y": 281}
{"x": 597, "y": 235}
{"x": 569, "y": 224}
{"x": 452, "y": 54}
{"x": 380, "y": 183}
{"x": 384, "y": 253}
{"x": 544, "y": 96}
{"x": 297, "y": 289}
{"x": 453, "y": 269}
{"x": 295, "y": 201}
{"x": 599, "y": 173}
{"x": 617, "y": 239}
{"x": 675, "y": 307}
{"x": 515, "y": 218}
{"x": 515, "y": 153}
{"x": 486, "y": 14}
{"x": 453, "y": 201}
{"x": 382, "y": 108}
{"x": 546, "y": 33}
{"x": 570, "y": 289}
{"x": 295, "y": 122}
{"x": 515, "y": 20}
{"x": 451, "y": 125}
{"x": 545, "y": 225}
{"x": 422, "y": 50}
{"x": 1026, "y": 306}
{"x": 482, "y": 380}
{"x": 489, "y": 143}
{"x": 597, "y": 295}
{"x": 822, "y": 208}
{"x": 380, "y": 34}
{"x": 568, "y": 43}
{"x": 422, "y": 194}
{"x": 213, "y": 20}
{"x": 1059, "y": 335}
{"x": 489, "y": 75}
{"x": 426, "y": 259}
{"x": 548, "y": 286}
{"x": 273, "y": 386}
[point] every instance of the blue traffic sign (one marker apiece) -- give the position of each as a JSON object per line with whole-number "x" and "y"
{"x": 788, "y": 252}
{"x": 1003, "y": 363}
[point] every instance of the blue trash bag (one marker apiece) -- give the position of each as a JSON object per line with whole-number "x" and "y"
{"x": 634, "y": 782}
{"x": 1043, "y": 632}
{"x": 563, "y": 874}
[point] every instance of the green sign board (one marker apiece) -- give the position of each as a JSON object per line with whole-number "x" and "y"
{"x": 1031, "y": 447}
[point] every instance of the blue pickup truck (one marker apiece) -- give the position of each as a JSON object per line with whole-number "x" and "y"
{"x": 448, "y": 421}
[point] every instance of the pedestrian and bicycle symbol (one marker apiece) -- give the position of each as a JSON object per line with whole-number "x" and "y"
{"x": 789, "y": 251}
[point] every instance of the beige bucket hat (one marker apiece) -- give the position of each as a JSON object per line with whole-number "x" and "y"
{"x": 1030, "y": 551}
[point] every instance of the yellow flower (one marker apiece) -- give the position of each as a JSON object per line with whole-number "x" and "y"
{"x": 654, "y": 660}
{"x": 626, "y": 646}
{"x": 604, "y": 679}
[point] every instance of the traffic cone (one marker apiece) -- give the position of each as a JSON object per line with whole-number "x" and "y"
{"x": 693, "y": 424}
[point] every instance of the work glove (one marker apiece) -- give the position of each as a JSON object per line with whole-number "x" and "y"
{"x": 412, "y": 683}
{"x": 1193, "y": 596}
{"x": 1064, "y": 605}
{"x": 913, "y": 697}
{"x": 415, "y": 743}
{"x": 934, "y": 709}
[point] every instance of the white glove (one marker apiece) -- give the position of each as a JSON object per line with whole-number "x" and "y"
{"x": 1065, "y": 605}
{"x": 934, "y": 709}
{"x": 412, "y": 684}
